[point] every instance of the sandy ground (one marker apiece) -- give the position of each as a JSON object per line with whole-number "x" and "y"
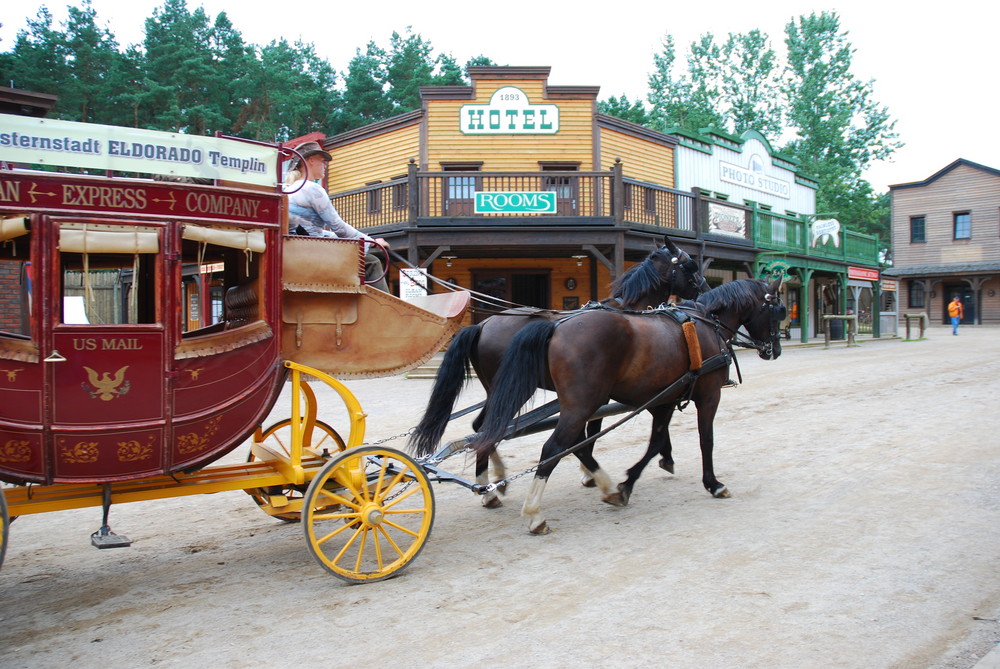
{"x": 863, "y": 531}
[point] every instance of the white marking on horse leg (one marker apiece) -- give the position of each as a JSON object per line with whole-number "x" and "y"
{"x": 490, "y": 499}
{"x": 532, "y": 508}
{"x": 499, "y": 473}
{"x": 586, "y": 480}
{"x": 603, "y": 481}
{"x": 609, "y": 491}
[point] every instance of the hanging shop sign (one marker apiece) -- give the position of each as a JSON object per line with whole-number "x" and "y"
{"x": 754, "y": 177}
{"x": 725, "y": 220}
{"x": 509, "y": 112}
{"x": 889, "y": 285}
{"x": 862, "y": 273}
{"x": 515, "y": 202}
{"x": 42, "y": 141}
{"x": 823, "y": 231}
{"x": 776, "y": 268}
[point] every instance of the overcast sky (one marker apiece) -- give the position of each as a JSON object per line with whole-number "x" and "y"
{"x": 934, "y": 65}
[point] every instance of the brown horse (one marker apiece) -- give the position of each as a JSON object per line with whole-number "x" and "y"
{"x": 648, "y": 357}
{"x": 664, "y": 272}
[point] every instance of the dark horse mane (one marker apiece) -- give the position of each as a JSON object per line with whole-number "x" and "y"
{"x": 641, "y": 279}
{"x": 738, "y": 295}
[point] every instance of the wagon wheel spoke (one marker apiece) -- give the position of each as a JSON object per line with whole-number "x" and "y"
{"x": 383, "y": 517}
{"x": 278, "y": 437}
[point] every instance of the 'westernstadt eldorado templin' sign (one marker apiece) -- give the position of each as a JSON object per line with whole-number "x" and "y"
{"x": 39, "y": 141}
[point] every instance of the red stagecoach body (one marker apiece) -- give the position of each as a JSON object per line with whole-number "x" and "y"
{"x": 102, "y": 387}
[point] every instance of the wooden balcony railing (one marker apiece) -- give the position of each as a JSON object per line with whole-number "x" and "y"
{"x": 580, "y": 198}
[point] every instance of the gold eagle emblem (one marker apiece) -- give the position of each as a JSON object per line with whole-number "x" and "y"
{"x": 106, "y": 387}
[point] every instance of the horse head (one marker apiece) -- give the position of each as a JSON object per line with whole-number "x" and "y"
{"x": 753, "y": 304}
{"x": 764, "y": 323}
{"x": 686, "y": 278}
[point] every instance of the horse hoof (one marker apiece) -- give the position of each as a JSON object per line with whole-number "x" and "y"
{"x": 614, "y": 499}
{"x": 721, "y": 493}
{"x": 541, "y": 529}
{"x": 625, "y": 493}
{"x": 667, "y": 466}
{"x": 492, "y": 503}
{"x": 588, "y": 481}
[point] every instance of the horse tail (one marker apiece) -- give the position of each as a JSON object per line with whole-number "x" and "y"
{"x": 521, "y": 372}
{"x": 452, "y": 375}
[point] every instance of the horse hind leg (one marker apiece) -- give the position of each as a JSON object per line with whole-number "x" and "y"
{"x": 609, "y": 492}
{"x": 499, "y": 472}
{"x": 532, "y": 508}
{"x": 490, "y": 499}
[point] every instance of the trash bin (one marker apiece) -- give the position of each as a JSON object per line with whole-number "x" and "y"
{"x": 836, "y": 329}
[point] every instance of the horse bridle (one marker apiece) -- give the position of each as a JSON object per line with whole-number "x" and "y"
{"x": 777, "y": 313}
{"x": 691, "y": 270}
{"x": 772, "y": 304}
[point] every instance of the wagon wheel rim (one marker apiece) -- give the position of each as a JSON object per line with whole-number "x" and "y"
{"x": 368, "y": 514}
{"x": 4, "y": 526}
{"x": 323, "y": 438}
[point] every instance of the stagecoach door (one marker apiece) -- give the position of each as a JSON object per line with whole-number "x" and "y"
{"x": 104, "y": 346}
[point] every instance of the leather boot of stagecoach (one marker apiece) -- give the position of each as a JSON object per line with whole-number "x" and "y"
{"x": 331, "y": 322}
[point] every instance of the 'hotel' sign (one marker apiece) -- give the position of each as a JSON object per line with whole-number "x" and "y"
{"x": 509, "y": 113}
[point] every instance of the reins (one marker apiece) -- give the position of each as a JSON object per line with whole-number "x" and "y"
{"x": 689, "y": 378}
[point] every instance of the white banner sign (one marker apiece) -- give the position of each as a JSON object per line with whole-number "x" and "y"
{"x": 39, "y": 141}
{"x": 412, "y": 282}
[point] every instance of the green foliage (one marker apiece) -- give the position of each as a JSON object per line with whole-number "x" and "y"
{"x": 191, "y": 74}
{"x": 837, "y": 128}
{"x": 731, "y": 86}
{"x": 380, "y": 83}
{"x": 685, "y": 103}
{"x": 622, "y": 107}
{"x": 840, "y": 129}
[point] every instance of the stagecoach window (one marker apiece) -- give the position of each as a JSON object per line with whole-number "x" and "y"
{"x": 220, "y": 270}
{"x": 15, "y": 285}
{"x": 109, "y": 273}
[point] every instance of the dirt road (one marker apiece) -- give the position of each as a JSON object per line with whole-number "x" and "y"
{"x": 863, "y": 531}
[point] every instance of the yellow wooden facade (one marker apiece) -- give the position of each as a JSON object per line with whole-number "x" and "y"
{"x": 432, "y": 140}
{"x": 433, "y": 136}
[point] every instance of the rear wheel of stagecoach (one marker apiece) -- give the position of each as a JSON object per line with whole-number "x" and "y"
{"x": 321, "y": 439}
{"x": 368, "y": 513}
{"x": 4, "y": 526}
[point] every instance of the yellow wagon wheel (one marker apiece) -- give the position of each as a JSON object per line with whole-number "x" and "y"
{"x": 320, "y": 438}
{"x": 368, "y": 513}
{"x": 4, "y": 526}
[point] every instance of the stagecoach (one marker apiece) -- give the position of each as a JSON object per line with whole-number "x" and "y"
{"x": 152, "y": 322}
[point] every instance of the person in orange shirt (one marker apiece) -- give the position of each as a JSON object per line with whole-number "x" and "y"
{"x": 957, "y": 312}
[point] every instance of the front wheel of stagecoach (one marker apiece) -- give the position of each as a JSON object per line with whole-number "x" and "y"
{"x": 368, "y": 513}
{"x": 4, "y": 525}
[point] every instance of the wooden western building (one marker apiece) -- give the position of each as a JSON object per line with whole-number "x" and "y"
{"x": 946, "y": 242}
{"x": 518, "y": 188}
